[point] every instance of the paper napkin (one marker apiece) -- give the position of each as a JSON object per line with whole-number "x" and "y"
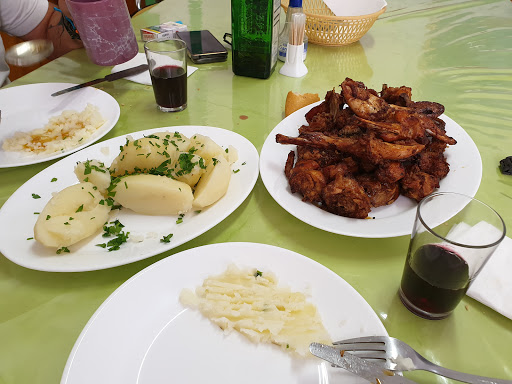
{"x": 493, "y": 286}
{"x": 142, "y": 78}
{"x": 355, "y": 7}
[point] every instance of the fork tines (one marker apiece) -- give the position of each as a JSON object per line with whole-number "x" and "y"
{"x": 370, "y": 348}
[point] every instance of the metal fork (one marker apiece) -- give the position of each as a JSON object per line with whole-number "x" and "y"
{"x": 393, "y": 352}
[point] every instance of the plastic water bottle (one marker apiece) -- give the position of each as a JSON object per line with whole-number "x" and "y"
{"x": 295, "y": 6}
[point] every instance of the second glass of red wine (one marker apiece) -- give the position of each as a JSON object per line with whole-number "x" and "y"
{"x": 167, "y": 61}
{"x": 454, "y": 235}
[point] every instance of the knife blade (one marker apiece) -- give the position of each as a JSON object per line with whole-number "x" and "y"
{"x": 368, "y": 370}
{"x": 113, "y": 76}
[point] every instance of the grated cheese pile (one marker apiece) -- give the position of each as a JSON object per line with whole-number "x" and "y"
{"x": 62, "y": 132}
{"x": 252, "y": 303}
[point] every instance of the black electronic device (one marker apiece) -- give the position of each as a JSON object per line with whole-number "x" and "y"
{"x": 203, "y": 47}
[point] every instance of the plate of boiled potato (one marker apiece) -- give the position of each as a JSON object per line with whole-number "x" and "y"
{"x": 127, "y": 198}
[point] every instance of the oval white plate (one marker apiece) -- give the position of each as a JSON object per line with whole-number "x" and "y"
{"x": 28, "y": 107}
{"x": 390, "y": 221}
{"x": 142, "y": 334}
{"x": 17, "y": 216}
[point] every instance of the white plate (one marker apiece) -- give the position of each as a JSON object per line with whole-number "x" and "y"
{"x": 17, "y": 216}
{"x": 393, "y": 220}
{"x": 29, "y": 107}
{"x": 142, "y": 334}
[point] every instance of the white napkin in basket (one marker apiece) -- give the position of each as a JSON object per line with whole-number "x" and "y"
{"x": 142, "y": 78}
{"x": 355, "y": 7}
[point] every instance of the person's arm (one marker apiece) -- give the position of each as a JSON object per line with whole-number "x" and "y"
{"x": 51, "y": 28}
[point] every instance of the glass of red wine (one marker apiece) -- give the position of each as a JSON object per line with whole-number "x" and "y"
{"x": 454, "y": 235}
{"x": 167, "y": 62}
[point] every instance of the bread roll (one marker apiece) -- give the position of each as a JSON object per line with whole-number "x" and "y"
{"x": 295, "y": 101}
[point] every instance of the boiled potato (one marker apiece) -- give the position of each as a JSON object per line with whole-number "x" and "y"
{"x": 213, "y": 184}
{"x": 206, "y": 148}
{"x": 95, "y": 172}
{"x": 231, "y": 154}
{"x": 143, "y": 154}
{"x": 71, "y": 215}
{"x": 177, "y": 140}
{"x": 188, "y": 168}
{"x": 153, "y": 194}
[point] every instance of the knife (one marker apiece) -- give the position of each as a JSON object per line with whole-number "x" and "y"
{"x": 111, "y": 77}
{"x": 368, "y": 370}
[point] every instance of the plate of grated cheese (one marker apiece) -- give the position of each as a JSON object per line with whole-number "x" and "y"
{"x": 46, "y": 127}
{"x": 146, "y": 333}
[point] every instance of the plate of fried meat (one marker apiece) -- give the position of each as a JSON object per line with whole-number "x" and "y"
{"x": 358, "y": 162}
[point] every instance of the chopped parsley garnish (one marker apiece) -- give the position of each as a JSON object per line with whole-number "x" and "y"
{"x": 53, "y": 180}
{"x": 90, "y": 167}
{"x": 198, "y": 212}
{"x": 166, "y": 239}
{"x": 180, "y": 219}
{"x": 30, "y": 238}
{"x": 258, "y": 273}
{"x": 244, "y": 163}
{"x": 48, "y": 217}
{"x": 236, "y": 171}
{"x": 80, "y": 208}
{"x": 61, "y": 250}
{"x": 35, "y": 196}
{"x": 227, "y": 150}
{"x": 114, "y": 230}
{"x": 215, "y": 161}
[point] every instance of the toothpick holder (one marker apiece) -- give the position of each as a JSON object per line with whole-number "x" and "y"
{"x": 294, "y": 65}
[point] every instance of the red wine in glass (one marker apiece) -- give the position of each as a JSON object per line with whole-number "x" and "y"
{"x": 170, "y": 86}
{"x": 434, "y": 281}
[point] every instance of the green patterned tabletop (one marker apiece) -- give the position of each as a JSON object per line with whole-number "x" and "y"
{"x": 456, "y": 52}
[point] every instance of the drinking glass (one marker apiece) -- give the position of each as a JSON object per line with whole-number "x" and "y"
{"x": 454, "y": 235}
{"x": 167, "y": 61}
{"x": 105, "y": 29}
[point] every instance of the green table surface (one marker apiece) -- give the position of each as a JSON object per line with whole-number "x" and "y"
{"x": 456, "y": 52}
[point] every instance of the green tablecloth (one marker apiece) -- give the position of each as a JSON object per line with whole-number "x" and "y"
{"x": 455, "y": 52}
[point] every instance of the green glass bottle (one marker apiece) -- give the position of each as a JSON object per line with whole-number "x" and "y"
{"x": 255, "y": 34}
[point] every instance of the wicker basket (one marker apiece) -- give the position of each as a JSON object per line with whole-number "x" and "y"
{"x": 324, "y": 28}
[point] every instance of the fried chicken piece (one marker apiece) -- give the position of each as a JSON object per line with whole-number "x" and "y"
{"x": 345, "y": 197}
{"x": 402, "y": 96}
{"x": 390, "y": 171}
{"x": 336, "y": 103}
{"x": 320, "y": 108}
{"x": 364, "y": 102}
{"x": 306, "y": 178}
{"x": 321, "y": 122}
{"x": 432, "y": 160}
{"x": 379, "y": 193}
{"x": 417, "y": 184}
{"x": 396, "y": 95}
{"x": 346, "y": 166}
{"x": 405, "y": 124}
{"x": 362, "y": 147}
{"x": 323, "y": 157}
{"x": 347, "y": 123}
{"x": 429, "y": 108}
